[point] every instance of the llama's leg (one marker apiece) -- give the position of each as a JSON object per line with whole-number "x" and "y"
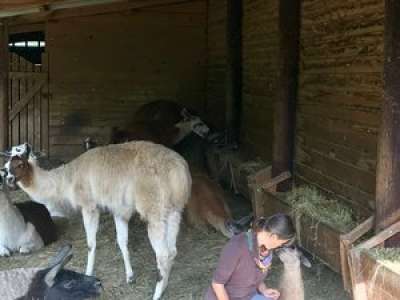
{"x": 121, "y": 226}
{"x": 31, "y": 240}
{"x": 91, "y": 223}
{"x": 157, "y": 232}
{"x": 173, "y": 224}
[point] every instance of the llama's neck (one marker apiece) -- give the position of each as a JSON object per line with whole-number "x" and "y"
{"x": 47, "y": 187}
{"x": 292, "y": 287}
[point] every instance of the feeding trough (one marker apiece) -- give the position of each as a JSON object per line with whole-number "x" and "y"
{"x": 320, "y": 226}
{"x": 375, "y": 270}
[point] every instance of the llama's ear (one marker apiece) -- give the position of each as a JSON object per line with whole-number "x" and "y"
{"x": 57, "y": 263}
{"x": 185, "y": 114}
{"x": 305, "y": 261}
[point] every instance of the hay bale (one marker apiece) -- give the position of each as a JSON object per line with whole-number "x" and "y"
{"x": 309, "y": 201}
{"x": 389, "y": 257}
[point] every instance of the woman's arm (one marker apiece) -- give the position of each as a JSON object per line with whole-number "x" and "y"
{"x": 270, "y": 293}
{"x": 219, "y": 290}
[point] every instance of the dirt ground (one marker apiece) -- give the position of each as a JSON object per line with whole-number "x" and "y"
{"x": 198, "y": 252}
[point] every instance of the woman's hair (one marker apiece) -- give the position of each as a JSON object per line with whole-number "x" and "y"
{"x": 279, "y": 224}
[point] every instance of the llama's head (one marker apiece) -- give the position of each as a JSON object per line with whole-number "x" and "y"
{"x": 292, "y": 256}
{"x": 55, "y": 282}
{"x": 238, "y": 226}
{"x": 89, "y": 143}
{"x": 21, "y": 150}
{"x": 18, "y": 170}
{"x": 193, "y": 124}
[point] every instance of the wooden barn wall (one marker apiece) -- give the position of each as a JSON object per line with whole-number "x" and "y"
{"x": 260, "y": 51}
{"x": 340, "y": 97}
{"x": 216, "y": 62}
{"x": 102, "y": 68}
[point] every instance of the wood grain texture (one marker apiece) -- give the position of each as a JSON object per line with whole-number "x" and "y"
{"x": 102, "y": 68}
{"x": 340, "y": 97}
{"x": 216, "y": 62}
{"x": 260, "y": 60}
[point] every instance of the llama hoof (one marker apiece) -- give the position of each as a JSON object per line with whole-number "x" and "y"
{"x": 130, "y": 278}
{"x": 24, "y": 250}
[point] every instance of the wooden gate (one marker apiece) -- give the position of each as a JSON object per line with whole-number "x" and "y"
{"x": 29, "y": 103}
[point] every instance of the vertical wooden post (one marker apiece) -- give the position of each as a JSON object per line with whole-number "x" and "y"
{"x": 234, "y": 68}
{"x": 388, "y": 165}
{"x": 3, "y": 85}
{"x": 285, "y": 104}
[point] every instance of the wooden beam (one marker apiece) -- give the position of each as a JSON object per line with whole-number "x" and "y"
{"x": 271, "y": 184}
{"x": 347, "y": 243}
{"x": 20, "y": 4}
{"x": 4, "y": 87}
{"x": 105, "y": 8}
{"x": 24, "y": 75}
{"x": 29, "y": 7}
{"x": 234, "y": 69}
{"x": 388, "y": 165}
{"x": 285, "y": 103}
{"x": 380, "y": 237}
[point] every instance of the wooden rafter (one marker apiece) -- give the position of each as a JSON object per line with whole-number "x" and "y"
{"x": 67, "y": 8}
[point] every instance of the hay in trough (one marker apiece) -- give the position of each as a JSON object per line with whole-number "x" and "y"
{"x": 389, "y": 257}
{"x": 308, "y": 201}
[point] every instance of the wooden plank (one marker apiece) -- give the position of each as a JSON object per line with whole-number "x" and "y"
{"x": 91, "y": 10}
{"x": 36, "y": 114}
{"x": 44, "y": 105}
{"x": 362, "y": 202}
{"x": 37, "y": 121}
{"x": 14, "y": 99}
{"x": 21, "y": 107}
{"x": 285, "y": 102}
{"x": 25, "y": 75}
{"x": 233, "y": 69}
{"x": 27, "y": 28}
{"x": 271, "y": 185}
{"x": 380, "y": 237}
{"x": 27, "y": 96}
{"x": 31, "y": 106}
{"x": 388, "y": 167}
{"x": 360, "y": 178}
{"x": 346, "y": 243}
{"x": 4, "y": 100}
{"x": 9, "y": 103}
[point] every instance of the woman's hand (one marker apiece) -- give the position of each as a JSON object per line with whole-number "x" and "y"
{"x": 271, "y": 293}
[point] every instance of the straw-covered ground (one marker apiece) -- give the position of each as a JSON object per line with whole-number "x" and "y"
{"x": 198, "y": 252}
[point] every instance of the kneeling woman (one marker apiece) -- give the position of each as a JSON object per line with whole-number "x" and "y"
{"x": 245, "y": 260}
